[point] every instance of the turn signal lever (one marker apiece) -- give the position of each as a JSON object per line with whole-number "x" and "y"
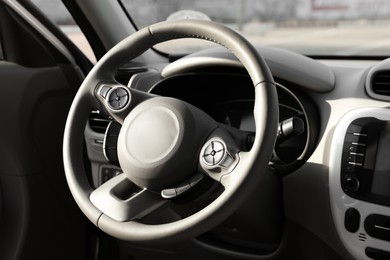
{"x": 290, "y": 127}
{"x": 286, "y": 129}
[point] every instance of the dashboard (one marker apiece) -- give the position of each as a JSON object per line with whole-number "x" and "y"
{"x": 331, "y": 150}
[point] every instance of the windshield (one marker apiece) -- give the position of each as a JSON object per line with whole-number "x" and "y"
{"x": 310, "y": 27}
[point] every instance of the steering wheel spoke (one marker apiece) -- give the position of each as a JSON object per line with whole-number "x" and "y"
{"x": 122, "y": 200}
{"x": 118, "y": 100}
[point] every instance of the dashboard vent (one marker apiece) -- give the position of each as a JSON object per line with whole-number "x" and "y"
{"x": 381, "y": 83}
{"x": 98, "y": 121}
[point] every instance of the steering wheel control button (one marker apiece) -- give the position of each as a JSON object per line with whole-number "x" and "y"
{"x": 352, "y": 220}
{"x": 183, "y": 187}
{"x": 171, "y": 193}
{"x": 117, "y": 98}
{"x": 168, "y": 193}
{"x": 214, "y": 154}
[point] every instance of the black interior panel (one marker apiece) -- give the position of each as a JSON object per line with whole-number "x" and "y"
{"x": 39, "y": 217}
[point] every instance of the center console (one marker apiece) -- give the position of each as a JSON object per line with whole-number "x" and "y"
{"x": 365, "y": 162}
{"x": 360, "y": 182}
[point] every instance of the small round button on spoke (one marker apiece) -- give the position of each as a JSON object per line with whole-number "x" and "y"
{"x": 117, "y": 98}
{"x": 214, "y": 153}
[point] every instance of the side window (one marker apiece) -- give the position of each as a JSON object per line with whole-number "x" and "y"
{"x": 59, "y": 15}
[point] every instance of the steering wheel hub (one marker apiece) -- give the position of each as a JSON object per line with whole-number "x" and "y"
{"x": 154, "y": 141}
{"x": 151, "y": 136}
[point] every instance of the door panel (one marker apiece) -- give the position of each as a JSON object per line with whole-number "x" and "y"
{"x": 38, "y": 216}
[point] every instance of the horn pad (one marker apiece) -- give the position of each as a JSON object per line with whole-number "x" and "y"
{"x": 159, "y": 143}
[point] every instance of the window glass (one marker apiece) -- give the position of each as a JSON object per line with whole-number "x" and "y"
{"x": 59, "y": 15}
{"x": 311, "y": 27}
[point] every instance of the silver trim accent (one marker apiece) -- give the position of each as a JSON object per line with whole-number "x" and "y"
{"x": 355, "y": 164}
{"x": 358, "y": 144}
{"x": 98, "y": 141}
{"x": 359, "y": 134}
{"x": 357, "y": 154}
{"x": 28, "y": 17}
{"x": 340, "y": 201}
{"x": 104, "y": 141}
{"x": 380, "y": 227}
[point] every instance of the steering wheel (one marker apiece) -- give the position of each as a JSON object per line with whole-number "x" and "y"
{"x": 166, "y": 147}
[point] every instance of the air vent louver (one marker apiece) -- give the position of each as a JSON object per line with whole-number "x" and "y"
{"x": 381, "y": 83}
{"x": 98, "y": 122}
